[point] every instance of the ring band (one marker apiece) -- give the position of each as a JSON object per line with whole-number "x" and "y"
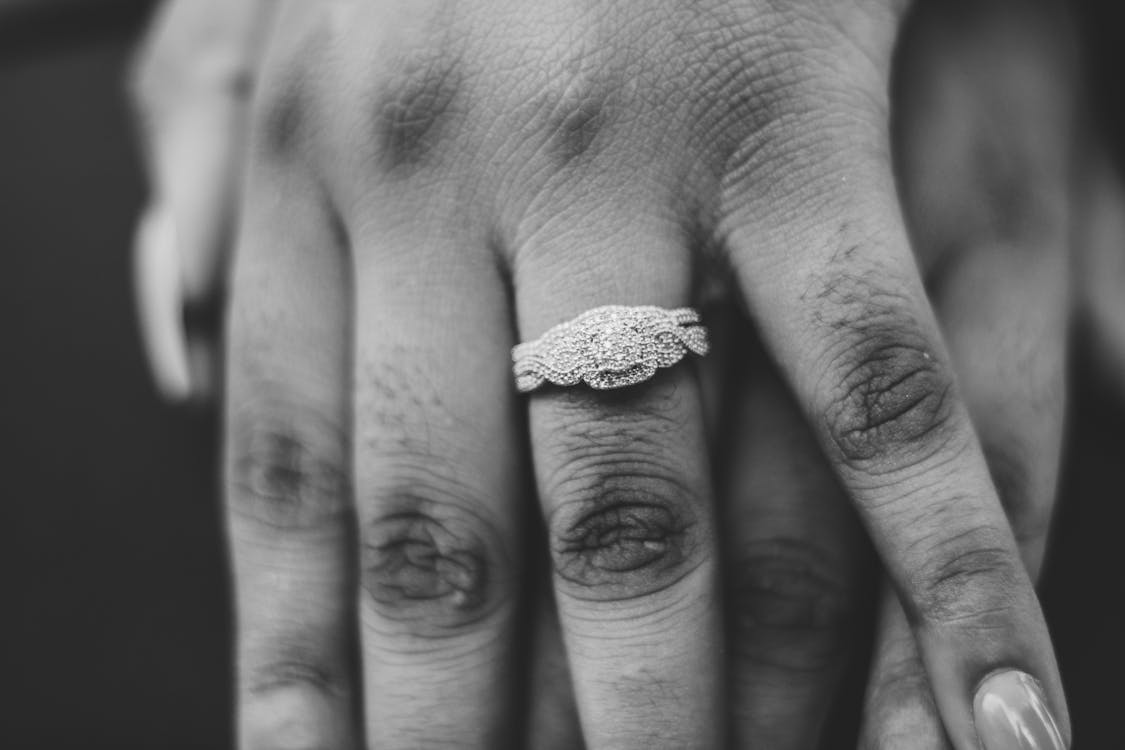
{"x": 610, "y": 347}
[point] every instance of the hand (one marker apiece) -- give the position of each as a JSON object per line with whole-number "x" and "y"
{"x": 411, "y": 163}
{"x": 191, "y": 89}
{"x": 984, "y": 112}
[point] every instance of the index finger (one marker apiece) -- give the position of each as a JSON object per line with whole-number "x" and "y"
{"x": 849, "y": 322}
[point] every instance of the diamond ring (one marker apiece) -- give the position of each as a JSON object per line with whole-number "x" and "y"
{"x": 609, "y": 347}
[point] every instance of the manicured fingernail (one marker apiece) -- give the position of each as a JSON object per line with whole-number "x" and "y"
{"x": 1011, "y": 714}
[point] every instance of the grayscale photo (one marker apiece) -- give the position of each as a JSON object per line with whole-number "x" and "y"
{"x": 563, "y": 374}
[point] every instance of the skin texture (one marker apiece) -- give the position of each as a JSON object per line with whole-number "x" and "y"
{"x": 426, "y": 177}
{"x": 987, "y": 121}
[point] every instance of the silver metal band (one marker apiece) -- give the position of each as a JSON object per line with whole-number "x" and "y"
{"x": 610, "y": 347}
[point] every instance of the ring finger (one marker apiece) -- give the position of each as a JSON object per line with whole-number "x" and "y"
{"x": 624, "y": 482}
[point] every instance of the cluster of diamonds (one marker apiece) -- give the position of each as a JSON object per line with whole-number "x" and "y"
{"x": 609, "y": 347}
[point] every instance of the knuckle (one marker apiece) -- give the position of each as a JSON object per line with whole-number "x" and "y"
{"x": 288, "y": 106}
{"x": 624, "y": 523}
{"x": 895, "y": 397}
{"x": 289, "y": 705}
{"x": 799, "y": 146}
{"x": 794, "y": 94}
{"x": 573, "y": 111}
{"x": 292, "y": 670}
{"x": 789, "y": 609}
{"x": 630, "y": 535}
{"x": 433, "y": 564}
{"x": 890, "y": 398}
{"x": 753, "y": 115}
{"x": 973, "y": 580}
{"x": 286, "y": 470}
{"x": 414, "y": 111}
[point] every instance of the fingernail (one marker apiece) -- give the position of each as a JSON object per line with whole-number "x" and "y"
{"x": 1011, "y": 714}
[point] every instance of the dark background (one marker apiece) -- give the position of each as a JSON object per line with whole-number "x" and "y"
{"x": 115, "y": 620}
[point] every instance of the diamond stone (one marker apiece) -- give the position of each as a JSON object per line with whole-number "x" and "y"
{"x": 610, "y": 347}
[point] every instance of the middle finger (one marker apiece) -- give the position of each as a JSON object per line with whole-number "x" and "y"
{"x": 437, "y": 468}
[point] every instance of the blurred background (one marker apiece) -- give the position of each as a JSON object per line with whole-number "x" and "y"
{"x": 116, "y": 619}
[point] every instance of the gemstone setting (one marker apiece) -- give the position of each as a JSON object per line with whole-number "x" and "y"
{"x": 610, "y": 347}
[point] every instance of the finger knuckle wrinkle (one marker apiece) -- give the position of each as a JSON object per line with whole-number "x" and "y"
{"x": 434, "y": 566}
{"x": 620, "y": 423}
{"x": 289, "y": 473}
{"x": 289, "y": 672}
{"x": 789, "y": 609}
{"x": 892, "y": 401}
{"x": 623, "y": 540}
{"x": 974, "y": 584}
{"x": 289, "y": 704}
